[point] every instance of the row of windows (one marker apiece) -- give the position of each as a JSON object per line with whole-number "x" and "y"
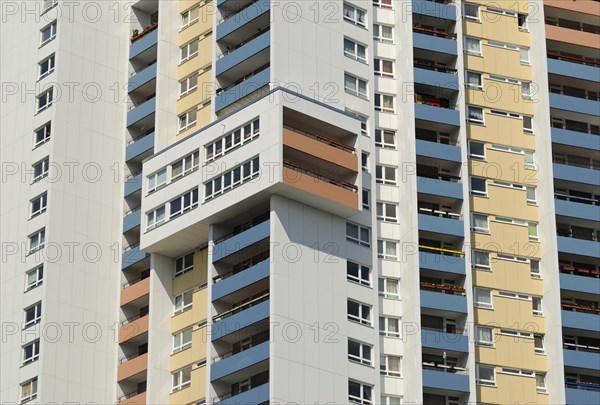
{"x": 476, "y": 115}
{"x": 484, "y": 336}
{"x": 232, "y": 178}
{"x": 174, "y": 171}
{"x": 473, "y": 47}
{"x": 481, "y": 260}
{"x": 486, "y": 375}
{"x": 483, "y": 299}
{"x": 480, "y": 223}
{"x": 232, "y": 140}
{"x": 174, "y": 208}
{"x": 478, "y": 186}
{"x": 472, "y": 12}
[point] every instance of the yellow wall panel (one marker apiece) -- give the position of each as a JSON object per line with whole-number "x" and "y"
{"x": 500, "y": 62}
{"x": 517, "y": 6}
{"x": 510, "y": 313}
{"x": 504, "y": 166}
{"x": 182, "y": 320}
{"x": 503, "y": 131}
{"x": 182, "y": 358}
{"x": 510, "y": 389}
{"x": 512, "y": 352}
{"x": 509, "y": 276}
{"x": 500, "y": 96}
{"x": 506, "y": 202}
{"x": 199, "y": 341}
{"x": 507, "y": 238}
{"x": 203, "y": 58}
{"x": 497, "y": 28}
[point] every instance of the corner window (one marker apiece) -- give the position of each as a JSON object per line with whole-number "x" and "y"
{"x": 387, "y": 249}
{"x": 473, "y": 46}
{"x": 48, "y": 33}
{"x": 355, "y": 15}
{"x": 486, "y": 375}
{"x": 38, "y": 205}
{"x": 31, "y": 352}
{"x": 42, "y": 135}
{"x": 359, "y": 352}
{"x": 45, "y": 99}
{"x": 477, "y": 150}
{"x": 478, "y": 186}
{"x": 34, "y": 277}
{"x": 37, "y": 240}
{"x": 355, "y": 86}
{"x": 33, "y": 314}
{"x": 479, "y": 223}
{"x": 46, "y": 66}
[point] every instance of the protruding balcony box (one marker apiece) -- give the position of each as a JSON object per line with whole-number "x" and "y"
{"x": 574, "y": 104}
{"x": 580, "y": 320}
{"x": 446, "y": 381}
{"x": 132, "y": 367}
{"x": 253, "y": 396}
{"x": 443, "y": 263}
{"x": 446, "y": 226}
{"x": 582, "y": 396}
{"x": 576, "y": 174}
{"x": 142, "y": 77}
{"x": 434, "y": 9}
{"x": 132, "y": 256}
{"x": 141, "y": 111}
{"x": 571, "y": 282}
{"x": 581, "y": 359}
{"x": 444, "y": 302}
{"x": 248, "y": 86}
{"x": 139, "y": 399}
{"x": 428, "y": 77}
{"x": 133, "y": 185}
{"x": 244, "y": 54}
{"x": 241, "y": 240}
{"x": 131, "y": 221}
{"x": 575, "y": 138}
{"x": 133, "y": 329}
{"x": 135, "y": 291}
{"x": 240, "y": 280}
{"x": 574, "y": 209}
{"x": 439, "y": 187}
{"x": 578, "y": 246}
{"x": 571, "y": 69}
{"x": 243, "y": 18}
{"x": 444, "y": 341}
{"x": 240, "y": 361}
{"x": 571, "y": 36}
{"x": 240, "y": 320}
{"x": 139, "y": 146}
{"x": 438, "y": 151}
{"x": 437, "y": 114}
{"x": 143, "y": 44}
{"x": 435, "y": 44}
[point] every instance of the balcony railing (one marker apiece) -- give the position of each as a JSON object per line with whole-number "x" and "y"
{"x": 241, "y": 308}
{"x": 145, "y": 32}
{"x": 590, "y": 164}
{"x": 244, "y": 227}
{"x": 579, "y": 233}
{"x": 135, "y": 281}
{"x": 336, "y": 182}
{"x": 259, "y": 340}
{"x": 225, "y": 17}
{"x": 444, "y": 368}
{"x": 125, "y": 359}
{"x": 591, "y": 271}
{"x": 242, "y": 266}
{"x": 433, "y": 101}
{"x": 329, "y": 141}
{"x": 577, "y": 199}
{"x": 441, "y": 251}
{"x": 230, "y": 394}
{"x": 230, "y": 49}
{"x": 431, "y": 65}
{"x": 572, "y": 25}
{"x": 436, "y": 32}
{"x": 439, "y": 176}
{"x": 573, "y": 92}
{"x": 581, "y": 348}
{"x": 580, "y": 308}
{"x": 574, "y": 59}
{"x": 582, "y": 385}
{"x": 131, "y": 394}
{"x": 454, "y": 331}
{"x": 132, "y": 319}
{"x": 243, "y": 79}
{"x": 443, "y": 288}
{"x": 439, "y": 213}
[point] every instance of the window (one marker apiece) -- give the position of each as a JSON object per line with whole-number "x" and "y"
{"x": 527, "y": 124}
{"x": 383, "y": 3}
{"x": 483, "y": 298}
{"x": 184, "y": 264}
{"x": 189, "y": 50}
{"x": 364, "y": 160}
{"x": 358, "y": 312}
{"x": 183, "y": 301}
{"x": 508, "y": 294}
{"x": 526, "y": 90}
{"x": 533, "y": 231}
{"x": 475, "y": 114}
{"x": 155, "y": 218}
{"x": 38, "y": 205}
{"x": 385, "y": 138}
{"x": 524, "y": 56}
{"x": 384, "y": 67}
{"x": 46, "y": 66}
{"x": 190, "y": 16}
{"x": 232, "y": 178}
{"x": 36, "y": 240}
{"x": 516, "y": 334}
{"x": 522, "y": 21}
{"x": 42, "y": 135}
{"x": 486, "y": 375}
{"x": 478, "y": 186}
{"x": 355, "y": 86}
{"x": 540, "y": 382}
{"x": 383, "y": 33}
{"x": 355, "y": 50}
{"x": 183, "y": 203}
{"x": 479, "y": 223}
{"x": 48, "y": 33}
{"x": 388, "y": 288}
{"x": 33, "y": 314}
{"x": 477, "y": 150}
{"x": 182, "y": 378}
{"x": 473, "y": 46}
{"x": 387, "y": 212}
{"x": 471, "y": 11}
{"x": 359, "y": 352}
{"x": 366, "y": 199}
{"x": 538, "y": 343}
{"x": 355, "y": 15}
{"x": 44, "y": 100}
{"x": 473, "y": 79}
{"x": 188, "y": 85}
{"x": 28, "y": 390}
{"x": 358, "y": 273}
{"x": 517, "y": 371}
{"x": 34, "y": 277}
{"x": 484, "y": 336}
{"x": 530, "y": 195}
{"x": 529, "y": 159}
{"x": 48, "y": 4}
{"x": 389, "y": 327}
{"x": 31, "y": 352}
{"x": 537, "y": 306}
{"x": 358, "y": 234}
{"x": 185, "y": 165}
{"x": 187, "y": 119}
{"x": 534, "y": 269}
{"x": 385, "y": 174}
{"x": 157, "y": 180}
{"x": 387, "y": 249}
{"x": 359, "y": 393}
{"x": 505, "y": 113}
{"x": 232, "y": 140}
{"x": 389, "y": 365}
{"x": 481, "y": 260}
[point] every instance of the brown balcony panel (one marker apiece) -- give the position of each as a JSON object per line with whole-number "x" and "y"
{"x": 336, "y": 155}
{"x": 319, "y": 187}
{"x": 132, "y": 367}
{"x": 135, "y": 291}
{"x": 570, "y": 36}
{"x": 585, "y": 7}
{"x": 139, "y": 399}
{"x": 133, "y": 329}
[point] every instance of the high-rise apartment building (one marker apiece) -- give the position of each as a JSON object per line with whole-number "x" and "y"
{"x": 245, "y": 202}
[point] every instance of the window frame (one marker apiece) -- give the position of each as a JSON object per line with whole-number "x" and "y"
{"x": 39, "y": 277}
{"x": 43, "y": 204}
{"x": 153, "y": 180}
{"x": 472, "y": 119}
{"x": 35, "y": 352}
{"x": 48, "y": 96}
{"x": 240, "y": 174}
{"x": 484, "y": 343}
{"x": 478, "y": 181}
{"x": 188, "y": 123}
{"x": 190, "y": 21}
{"x": 479, "y": 229}
{"x": 475, "y": 155}
{"x": 51, "y": 65}
{"x": 361, "y": 359}
{"x": 468, "y": 16}
{"x": 355, "y": 17}
{"x": 184, "y": 268}
{"x": 179, "y": 375}
{"x": 187, "y": 202}
{"x": 380, "y": 133}
{"x": 382, "y": 172}
{"x": 37, "y": 313}
{"x": 366, "y": 199}
{"x": 468, "y": 83}
{"x": 378, "y": 33}
{"x": 486, "y": 382}
{"x": 47, "y": 132}
{"x": 382, "y": 254}
{"x": 378, "y": 68}
{"x": 52, "y": 27}
{"x": 355, "y": 54}
{"x": 360, "y": 318}
{"x": 360, "y": 268}
{"x": 152, "y": 220}
{"x": 386, "y": 326}
{"x": 383, "y": 292}
{"x": 476, "y": 265}
{"x": 186, "y": 81}
{"x": 247, "y": 132}
{"x": 358, "y": 84}
{"x": 362, "y": 399}
{"x": 182, "y": 302}
{"x": 384, "y": 216}
{"x": 40, "y": 239}
{"x": 359, "y": 239}
{"x": 33, "y": 383}
{"x": 188, "y": 46}
{"x": 484, "y": 305}
{"x": 470, "y": 52}
{"x": 384, "y": 365}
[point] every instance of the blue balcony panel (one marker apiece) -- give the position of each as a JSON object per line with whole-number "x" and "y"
{"x": 444, "y": 341}
{"x": 574, "y": 209}
{"x": 571, "y": 282}
{"x": 242, "y": 18}
{"x": 576, "y": 174}
{"x": 576, "y": 139}
{"x": 575, "y": 70}
{"x": 133, "y": 185}
{"x": 142, "y": 77}
{"x": 439, "y": 187}
{"x": 239, "y": 361}
{"x": 143, "y": 44}
{"x": 432, "y": 9}
{"x": 582, "y": 397}
{"x": 257, "y": 46}
{"x": 240, "y": 320}
{"x": 132, "y": 220}
{"x": 240, "y": 280}
{"x": 446, "y": 226}
{"x": 442, "y": 263}
{"x": 444, "y": 302}
{"x": 435, "y": 44}
{"x": 574, "y": 104}
{"x": 578, "y": 246}
{"x": 141, "y": 111}
{"x": 438, "y": 151}
{"x": 437, "y": 114}
{"x": 132, "y": 256}
{"x": 445, "y": 381}
{"x": 439, "y": 79}
{"x": 241, "y": 240}
{"x": 580, "y": 359}
{"x": 580, "y": 320}
{"x": 140, "y": 146}
{"x": 243, "y": 89}
{"x": 253, "y": 396}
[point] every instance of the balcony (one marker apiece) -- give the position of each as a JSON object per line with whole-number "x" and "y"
{"x": 133, "y": 184}
{"x": 240, "y": 361}
{"x": 555, "y": 32}
{"x": 574, "y": 104}
{"x": 435, "y": 78}
{"x": 131, "y": 366}
{"x": 442, "y": 42}
{"x": 434, "y": 9}
{"x": 579, "y": 269}
{"x": 448, "y": 302}
{"x": 141, "y": 77}
{"x": 242, "y": 88}
{"x": 143, "y": 41}
{"x": 438, "y": 151}
{"x": 576, "y": 174}
{"x": 582, "y": 359}
{"x": 140, "y": 146}
{"x": 444, "y": 186}
{"x": 578, "y": 139}
{"x": 569, "y": 66}
{"x": 578, "y": 246}
{"x": 132, "y": 255}
{"x": 589, "y": 321}
{"x": 453, "y": 342}
{"x": 133, "y": 327}
{"x": 131, "y": 221}
{"x": 234, "y": 242}
{"x": 442, "y": 378}
{"x": 132, "y": 398}
{"x": 141, "y": 111}
{"x": 135, "y": 291}
{"x": 442, "y": 260}
{"x": 581, "y": 284}
{"x": 572, "y": 208}
{"x": 582, "y": 393}
{"x": 237, "y": 281}
{"x": 245, "y": 20}
{"x": 438, "y": 223}
{"x": 238, "y": 318}
{"x": 255, "y": 395}
{"x": 428, "y": 109}
{"x": 245, "y": 57}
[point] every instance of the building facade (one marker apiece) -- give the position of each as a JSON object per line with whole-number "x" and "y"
{"x": 374, "y": 202}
